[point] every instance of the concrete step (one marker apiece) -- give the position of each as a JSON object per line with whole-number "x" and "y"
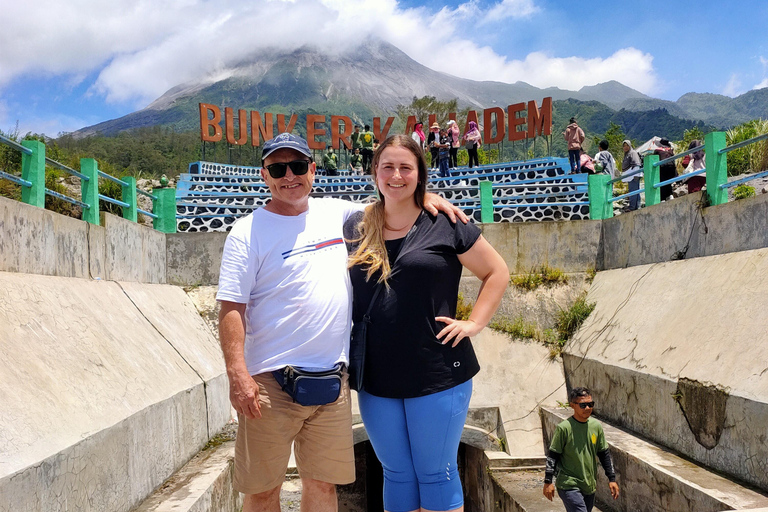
{"x": 204, "y": 484}
{"x": 523, "y": 492}
{"x": 654, "y": 479}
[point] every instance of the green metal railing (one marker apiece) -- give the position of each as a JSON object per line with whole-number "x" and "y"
{"x": 33, "y": 190}
{"x": 715, "y": 167}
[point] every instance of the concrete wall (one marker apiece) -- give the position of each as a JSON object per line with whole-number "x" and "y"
{"x": 570, "y": 246}
{"x": 38, "y": 241}
{"x": 194, "y": 258}
{"x": 676, "y": 352}
{"x": 107, "y": 389}
{"x": 661, "y": 232}
{"x": 133, "y": 252}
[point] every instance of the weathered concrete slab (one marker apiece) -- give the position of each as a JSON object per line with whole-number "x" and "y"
{"x": 539, "y": 307}
{"x": 661, "y": 232}
{"x": 675, "y": 352}
{"x": 653, "y": 479}
{"x": 38, "y": 241}
{"x": 516, "y": 377}
{"x": 204, "y": 484}
{"x": 521, "y": 491}
{"x": 98, "y": 407}
{"x": 173, "y": 314}
{"x": 570, "y": 246}
{"x": 133, "y": 252}
{"x": 194, "y": 258}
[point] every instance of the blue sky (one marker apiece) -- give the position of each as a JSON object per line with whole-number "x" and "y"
{"x": 87, "y": 61}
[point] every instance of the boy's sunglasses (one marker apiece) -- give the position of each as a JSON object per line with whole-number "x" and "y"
{"x": 298, "y": 167}
{"x": 584, "y": 405}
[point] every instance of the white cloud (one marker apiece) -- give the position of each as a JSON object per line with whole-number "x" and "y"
{"x": 761, "y": 85}
{"x": 145, "y": 47}
{"x": 733, "y": 87}
{"x": 510, "y": 9}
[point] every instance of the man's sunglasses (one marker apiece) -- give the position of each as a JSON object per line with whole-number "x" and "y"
{"x": 298, "y": 167}
{"x": 584, "y": 405}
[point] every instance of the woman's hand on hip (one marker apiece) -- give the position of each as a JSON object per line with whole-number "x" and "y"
{"x": 456, "y": 330}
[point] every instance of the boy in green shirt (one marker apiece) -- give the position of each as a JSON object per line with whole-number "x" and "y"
{"x": 576, "y": 443}
{"x": 330, "y": 162}
{"x": 356, "y": 162}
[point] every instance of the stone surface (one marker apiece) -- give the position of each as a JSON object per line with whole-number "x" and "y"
{"x": 662, "y": 232}
{"x": 702, "y": 320}
{"x": 516, "y": 377}
{"x": 539, "y": 307}
{"x": 653, "y": 479}
{"x": 173, "y": 314}
{"x": 98, "y": 407}
{"x": 194, "y": 258}
{"x": 204, "y": 484}
{"x": 522, "y": 491}
{"x": 133, "y": 252}
{"x": 38, "y": 241}
{"x": 570, "y": 246}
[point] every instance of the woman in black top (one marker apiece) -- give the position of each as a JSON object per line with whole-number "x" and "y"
{"x": 419, "y": 360}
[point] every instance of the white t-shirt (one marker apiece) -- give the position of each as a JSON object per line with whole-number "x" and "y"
{"x": 291, "y": 271}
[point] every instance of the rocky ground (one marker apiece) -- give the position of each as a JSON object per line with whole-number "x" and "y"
{"x": 72, "y": 186}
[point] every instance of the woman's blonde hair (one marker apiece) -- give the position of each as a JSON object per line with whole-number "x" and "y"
{"x": 371, "y": 252}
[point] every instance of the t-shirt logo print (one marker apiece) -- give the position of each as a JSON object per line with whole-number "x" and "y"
{"x": 594, "y": 438}
{"x": 313, "y": 247}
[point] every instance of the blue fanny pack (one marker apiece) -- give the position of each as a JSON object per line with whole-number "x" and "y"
{"x": 311, "y": 386}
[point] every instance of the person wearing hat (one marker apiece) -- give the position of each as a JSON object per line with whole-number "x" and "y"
{"x": 433, "y": 142}
{"x": 574, "y": 136}
{"x": 285, "y": 302}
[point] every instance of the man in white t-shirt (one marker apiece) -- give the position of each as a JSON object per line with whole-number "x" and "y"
{"x": 286, "y": 300}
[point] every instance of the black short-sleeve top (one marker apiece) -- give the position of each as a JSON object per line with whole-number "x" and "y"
{"x": 404, "y": 358}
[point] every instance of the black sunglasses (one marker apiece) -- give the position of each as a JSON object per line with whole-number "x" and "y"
{"x": 298, "y": 167}
{"x": 584, "y": 405}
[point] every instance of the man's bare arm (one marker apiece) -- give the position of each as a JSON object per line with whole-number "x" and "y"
{"x": 243, "y": 391}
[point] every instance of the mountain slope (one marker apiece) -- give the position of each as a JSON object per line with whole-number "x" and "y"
{"x": 371, "y": 80}
{"x": 376, "y": 77}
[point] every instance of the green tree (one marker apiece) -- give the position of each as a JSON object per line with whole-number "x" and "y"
{"x": 615, "y": 137}
{"x": 426, "y": 105}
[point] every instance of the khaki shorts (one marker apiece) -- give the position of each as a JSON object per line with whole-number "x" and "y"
{"x": 322, "y": 437}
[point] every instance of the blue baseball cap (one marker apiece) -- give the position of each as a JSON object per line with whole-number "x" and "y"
{"x": 286, "y": 140}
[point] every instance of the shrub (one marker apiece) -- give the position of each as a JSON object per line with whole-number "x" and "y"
{"x": 538, "y": 276}
{"x": 569, "y": 320}
{"x": 743, "y": 192}
{"x": 463, "y": 309}
{"x": 753, "y": 157}
{"x": 517, "y": 328}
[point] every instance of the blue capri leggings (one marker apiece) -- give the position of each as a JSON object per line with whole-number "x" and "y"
{"x": 417, "y": 440}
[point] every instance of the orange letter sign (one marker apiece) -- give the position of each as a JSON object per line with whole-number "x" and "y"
{"x": 515, "y": 122}
{"x": 281, "y": 123}
{"x": 257, "y": 127}
{"x": 313, "y": 131}
{"x": 206, "y": 124}
{"x": 229, "y": 120}
{"x": 540, "y": 122}
{"x": 382, "y": 134}
{"x": 337, "y": 138}
{"x": 488, "y": 115}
